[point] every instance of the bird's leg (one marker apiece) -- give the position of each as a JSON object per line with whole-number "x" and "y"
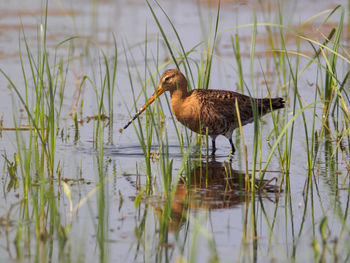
{"x": 214, "y": 148}
{"x": 232, "y": 150}
{"x": 232, "y": 146}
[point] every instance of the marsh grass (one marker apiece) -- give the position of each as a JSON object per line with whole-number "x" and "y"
{"x": 324, "y": 118}
{"x": 35, "y": 151}
{"x": 44, "y": 77}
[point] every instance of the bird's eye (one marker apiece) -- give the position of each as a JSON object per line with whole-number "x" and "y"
{"x": 166, "y": 79}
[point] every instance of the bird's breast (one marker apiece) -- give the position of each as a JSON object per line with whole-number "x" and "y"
{"x": 187, "y": 111}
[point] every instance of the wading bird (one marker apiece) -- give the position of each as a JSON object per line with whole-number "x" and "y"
{"x": 207, "y": 111}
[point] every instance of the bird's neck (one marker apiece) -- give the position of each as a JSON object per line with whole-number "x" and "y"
{"x": 179, "y": 94}
{"x": 179, "y": 104}
{"x": 178, "y": 99}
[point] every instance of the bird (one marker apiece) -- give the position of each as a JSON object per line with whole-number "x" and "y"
{"x": 209, "y": 111}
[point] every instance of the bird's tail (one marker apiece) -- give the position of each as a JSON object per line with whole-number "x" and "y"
{"x": 270, "y": 104}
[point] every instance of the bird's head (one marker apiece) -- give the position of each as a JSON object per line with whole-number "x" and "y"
{"x": 171, "y": 80}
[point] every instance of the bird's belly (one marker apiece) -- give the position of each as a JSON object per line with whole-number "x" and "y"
{"x": 203, "y": 121}
{"x": 213, "y": 129}
{"x": 218, "y": 127}
{"x": 191, "y": 123}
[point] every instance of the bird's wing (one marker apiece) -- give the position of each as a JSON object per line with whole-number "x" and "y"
{"x": 223, "y": 103}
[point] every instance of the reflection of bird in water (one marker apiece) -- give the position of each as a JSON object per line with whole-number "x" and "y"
{"x": 211, "y": 185}
{"x": 206, "y": 111}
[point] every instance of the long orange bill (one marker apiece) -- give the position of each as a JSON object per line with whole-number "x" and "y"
{"x": 158, "y": 92}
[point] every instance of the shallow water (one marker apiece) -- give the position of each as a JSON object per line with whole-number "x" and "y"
{"x": 118, "y": 214}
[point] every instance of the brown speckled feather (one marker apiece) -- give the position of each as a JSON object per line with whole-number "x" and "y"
{"x": 216, "y": 110}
